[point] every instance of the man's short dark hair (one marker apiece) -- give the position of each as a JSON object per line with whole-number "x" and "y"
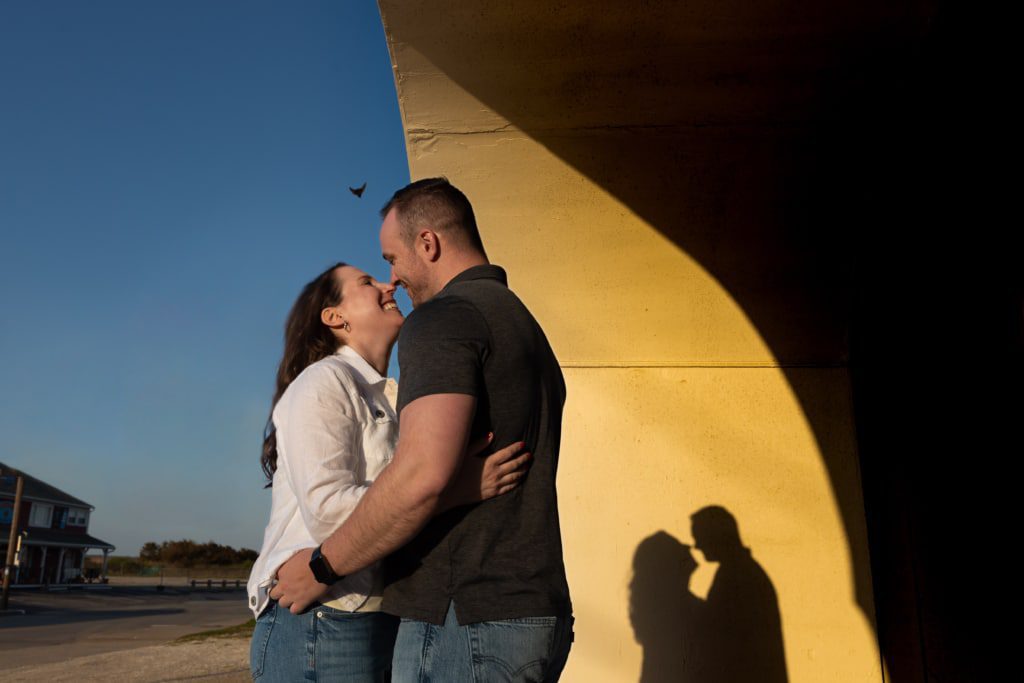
{"x": 437, "y": 204}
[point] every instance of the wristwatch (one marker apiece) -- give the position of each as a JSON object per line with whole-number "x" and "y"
{"x": 321, "y": 568}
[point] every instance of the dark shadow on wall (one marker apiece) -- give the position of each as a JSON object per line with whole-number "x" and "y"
{"x": 741, "y": 627}
{"x": 735, "y": 636}
{"x": 810, "y": 156}
{"x": 722, "y": 126}
{"x": 664, "y": 614}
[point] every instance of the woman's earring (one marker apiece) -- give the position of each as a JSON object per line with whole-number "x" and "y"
{"x": 345, "y": 326}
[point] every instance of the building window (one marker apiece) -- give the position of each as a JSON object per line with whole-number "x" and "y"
{"x": 77, "y": 517}
{"x": 41, "y": 515}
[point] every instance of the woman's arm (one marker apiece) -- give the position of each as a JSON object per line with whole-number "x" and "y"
{"x": 486, "y": 476}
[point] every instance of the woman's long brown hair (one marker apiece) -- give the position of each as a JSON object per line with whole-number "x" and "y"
{"x": 306, "y": 340}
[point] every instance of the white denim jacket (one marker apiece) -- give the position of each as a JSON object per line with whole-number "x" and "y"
{"x": 336, "y": 430}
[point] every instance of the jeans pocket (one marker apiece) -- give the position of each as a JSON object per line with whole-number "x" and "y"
{"x": 513, "y": 649}
{"x": 260, "y": 638}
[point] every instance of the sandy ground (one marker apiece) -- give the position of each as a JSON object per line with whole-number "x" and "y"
{"x": 216, "y": 660}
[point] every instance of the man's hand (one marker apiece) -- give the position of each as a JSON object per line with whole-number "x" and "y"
{"x": 296, "y": 587}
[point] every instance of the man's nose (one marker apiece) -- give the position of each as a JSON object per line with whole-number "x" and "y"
{"x": 387, "y": 287}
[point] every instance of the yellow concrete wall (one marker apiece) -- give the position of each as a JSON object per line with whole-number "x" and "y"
{"x": 675, "y": 400}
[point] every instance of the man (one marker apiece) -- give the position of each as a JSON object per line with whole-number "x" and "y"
{"x": 482, "y": 588}
{"x": 742, "y": 629}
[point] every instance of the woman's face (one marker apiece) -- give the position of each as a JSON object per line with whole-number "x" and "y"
{"x": 368, "y": 306}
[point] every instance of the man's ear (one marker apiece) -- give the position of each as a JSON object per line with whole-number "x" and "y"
{"x": 331, "y": 317}
{"x": 428, "y": 245}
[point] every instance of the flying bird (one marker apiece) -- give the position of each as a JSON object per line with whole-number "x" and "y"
{"x": 357, "y": 191}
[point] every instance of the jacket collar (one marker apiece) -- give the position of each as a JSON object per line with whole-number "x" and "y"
{"x": 364, "y": 369}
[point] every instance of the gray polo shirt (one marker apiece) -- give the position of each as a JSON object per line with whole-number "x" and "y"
{"x": 502, "y": 558}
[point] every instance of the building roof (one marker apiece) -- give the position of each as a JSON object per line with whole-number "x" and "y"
{"x": 35, "y": 489}
{"x": 56, "y": 537}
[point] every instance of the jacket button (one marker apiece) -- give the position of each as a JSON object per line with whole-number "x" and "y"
{"x": 252, "y": 600}
{"x": 379, "y": 413}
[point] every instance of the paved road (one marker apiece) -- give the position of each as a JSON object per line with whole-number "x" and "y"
{"x": 59, "y": 626}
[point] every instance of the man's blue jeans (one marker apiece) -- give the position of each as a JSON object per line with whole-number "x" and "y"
{"x": 527, "y": 649}
{"x": 322, "y": 644}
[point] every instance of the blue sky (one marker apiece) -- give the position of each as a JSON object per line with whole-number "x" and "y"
{"x": 171, "y": 174}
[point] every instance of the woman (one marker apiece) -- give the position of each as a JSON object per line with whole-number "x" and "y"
{"x": 331, "y": 431}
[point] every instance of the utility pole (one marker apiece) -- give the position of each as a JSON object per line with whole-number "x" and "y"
{"x": 9, "y": 564}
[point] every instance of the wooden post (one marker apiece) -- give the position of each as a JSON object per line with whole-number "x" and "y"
{"x": 58, "y": 578}
{"x": 18, "y": 557}
{"x": 18, "y": 488}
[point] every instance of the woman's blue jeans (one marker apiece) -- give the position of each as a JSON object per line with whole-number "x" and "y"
{"x": 322, "y": 644}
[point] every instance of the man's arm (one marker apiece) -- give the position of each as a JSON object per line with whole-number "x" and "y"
{"x": 434, "y": 433}
{"x": 406, "y": 494}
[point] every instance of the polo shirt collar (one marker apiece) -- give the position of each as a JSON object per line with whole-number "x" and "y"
{"x": 488, "y": 271}
{"x": 365, "y": 370}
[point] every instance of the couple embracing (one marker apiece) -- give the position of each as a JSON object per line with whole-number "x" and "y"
{"x": 429, "y": 555}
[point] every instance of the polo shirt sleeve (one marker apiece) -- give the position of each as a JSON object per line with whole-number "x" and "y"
{"x": 442, "y": 349}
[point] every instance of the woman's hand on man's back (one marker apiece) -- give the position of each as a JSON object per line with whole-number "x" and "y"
{"x": 485, "y": 476}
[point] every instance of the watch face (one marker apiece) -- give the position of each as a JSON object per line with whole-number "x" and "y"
{"x": 321, "y": 570}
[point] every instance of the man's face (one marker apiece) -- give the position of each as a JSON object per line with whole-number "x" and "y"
{"x": 703, "y": 541}
{"x": 407, "y": 269}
